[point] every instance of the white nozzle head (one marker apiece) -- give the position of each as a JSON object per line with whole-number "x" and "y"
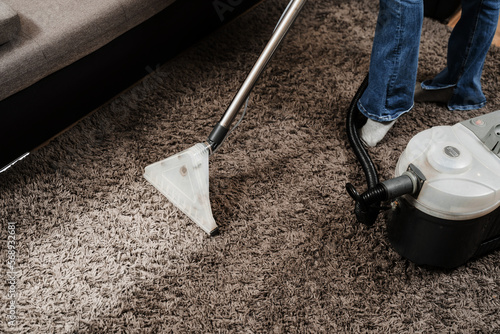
{"x": 183, "y": 179}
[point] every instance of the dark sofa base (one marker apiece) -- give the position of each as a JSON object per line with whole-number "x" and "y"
{"x": 43, "y": 110}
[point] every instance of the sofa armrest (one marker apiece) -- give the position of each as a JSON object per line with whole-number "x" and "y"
{"x": 10, "y": 24}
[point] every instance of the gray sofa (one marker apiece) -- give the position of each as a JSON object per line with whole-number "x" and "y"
{"x": 60, "y": 59}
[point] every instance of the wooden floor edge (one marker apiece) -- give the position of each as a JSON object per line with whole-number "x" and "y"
{"x": 454, "y": 19}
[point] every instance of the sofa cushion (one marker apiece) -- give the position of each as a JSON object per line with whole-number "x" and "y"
{"x": 9, "y": 23}
{"x": 56, "y": 33}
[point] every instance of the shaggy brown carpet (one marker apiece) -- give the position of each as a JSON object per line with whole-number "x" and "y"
{"x": 99, "y": 250}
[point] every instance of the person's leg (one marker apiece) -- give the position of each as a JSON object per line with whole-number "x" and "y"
{"x": 393, "y": 67}
{"x": 468, "y": 46}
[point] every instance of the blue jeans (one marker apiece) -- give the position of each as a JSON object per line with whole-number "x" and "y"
{"x": 394, "y": 59}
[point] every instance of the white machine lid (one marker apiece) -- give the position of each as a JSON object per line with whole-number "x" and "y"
{"x": 462, "y": 168}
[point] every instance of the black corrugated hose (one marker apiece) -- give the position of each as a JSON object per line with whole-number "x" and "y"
{"x": 367, "y": 205}
{"x": 365, "y": 213}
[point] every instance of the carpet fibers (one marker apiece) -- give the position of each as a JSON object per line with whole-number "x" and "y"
{"x": 99, "y": 250}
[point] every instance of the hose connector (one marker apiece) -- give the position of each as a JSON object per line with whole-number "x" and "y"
{"x": 216, "y": 137}
{"x": 366, "y": 210}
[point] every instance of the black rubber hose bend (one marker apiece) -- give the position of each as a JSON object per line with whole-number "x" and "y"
{"x": 365, "y": 214}
{"x": 407, "y": 183}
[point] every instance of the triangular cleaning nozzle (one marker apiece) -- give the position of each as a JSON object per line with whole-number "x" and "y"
{"x": 183, "y": 179}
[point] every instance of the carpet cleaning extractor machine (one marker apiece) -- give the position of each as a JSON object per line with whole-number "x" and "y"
{"x": 445, "y": 197}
